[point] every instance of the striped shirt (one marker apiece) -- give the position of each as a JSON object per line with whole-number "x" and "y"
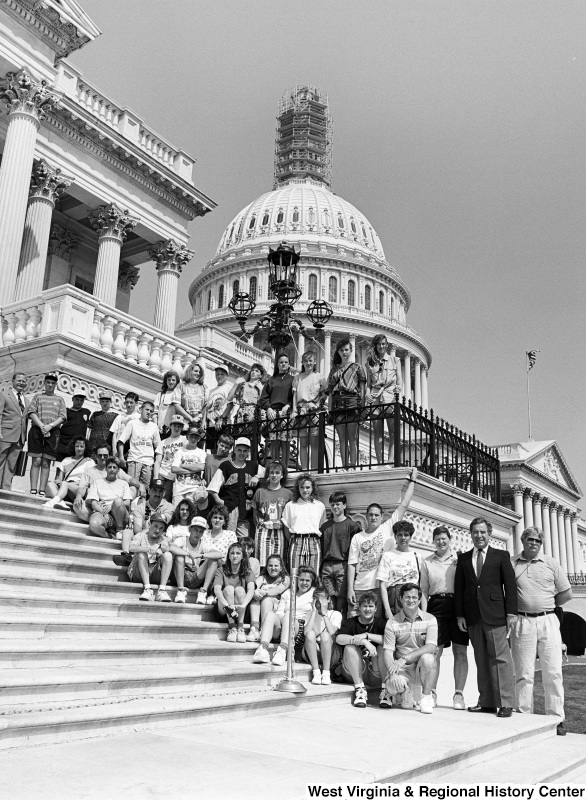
{"x": 48, "y": 408}
{"x": 403, "y": 635}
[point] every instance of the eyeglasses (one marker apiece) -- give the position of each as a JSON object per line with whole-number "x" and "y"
{"x": 535, "y": 541}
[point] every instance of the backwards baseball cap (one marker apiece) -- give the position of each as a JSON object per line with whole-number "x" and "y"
{"x": 242, "y": 440}
{"x": 195, "y": 430}
{"x": 106, "y": 395}
{"x": 198, "y": 522}
{"x": 157, "y": 483}
{"x": 222, "y": 366}
{"x": 177, "y": 419}
{"x": 158, "y": 517}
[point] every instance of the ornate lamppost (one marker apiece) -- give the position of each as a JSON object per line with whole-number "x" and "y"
{"x": 279, "y": 321}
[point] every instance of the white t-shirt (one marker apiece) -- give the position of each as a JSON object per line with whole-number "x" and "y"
{"x": 168, "y": 448}
{"x": 221, "y": 543}
{"x": 107, "y": 491}
{"x": 303, "y": 604}
{"x": 366, "y": 550}
{"x": 186, "y": 458}
{"x": 397, "y": 568}
{"x": 71, "y": 473}
{"x": 217, "y": 402}
{"x": 120, "y": 423}
{"x": 178, "y": 534}
{"x": 165, "y": 403}
{"x": 334, "y": 617}
{"x": 143, "y": 438}
{"x": 304, "y": 517}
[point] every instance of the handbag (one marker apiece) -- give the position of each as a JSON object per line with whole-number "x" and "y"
{"x": 21, "y": 462}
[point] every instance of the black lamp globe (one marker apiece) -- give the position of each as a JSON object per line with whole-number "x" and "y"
{"x": 319, "y": 313}
{"x": 242, "y": 305}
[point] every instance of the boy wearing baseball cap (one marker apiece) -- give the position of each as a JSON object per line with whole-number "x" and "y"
{"x": 188, "y": 465}
{"x": 165, "y": 453}
{"x": 233, "y": 487}
{"x": 47, "y": 413}
{"x": 151, "y": 560}
{"x": 187, "y": 556}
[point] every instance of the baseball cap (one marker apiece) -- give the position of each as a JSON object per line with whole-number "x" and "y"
{"x": 157, "y": 517}
{"x": 242, "y": 440}
{"x": 52, "y": 376}
{"x": 222, "y": 366}
{"x": 195, "y": 429}
{"x": 177, "y": 418}
{"x": 157, "y": 483}
{"x": 198, "y": 522}
{"x": 106, "y": 395}
{"x": 80, "y": 394}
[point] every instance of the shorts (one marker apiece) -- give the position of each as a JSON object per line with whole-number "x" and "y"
{"x": 39, "y": 445}
{"x": 370, "y": 672}
{"x": 333, "y": 577}
{"x": 353, "y": 609}
{"x": 448, "y": 632}
{"x": 133, "y": 571}
{"x": 336, "y": 659}
{"x": 141, "y": 472}
{"x": 191, "y": 579}
{"x": 241, "y": 527}
{"x": 345, "y": 409}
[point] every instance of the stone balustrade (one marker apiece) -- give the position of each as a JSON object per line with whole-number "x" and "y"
{"x": 73, "y": 314}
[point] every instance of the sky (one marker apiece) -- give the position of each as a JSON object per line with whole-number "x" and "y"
{"x": 459, "y": 131}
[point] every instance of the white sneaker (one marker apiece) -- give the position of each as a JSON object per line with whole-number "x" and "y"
{"x": 211, "y": 600}
{"x": 279, "y": 657}
{"x": 147, "y": 594}
{"x": 50, "y": 503}
{"x": 261, "y": 655}
{"x": 163, "y": 596}
{"x": 458, "y": 702}
{"x": 253, "y": 635}
{"x": 201, "y": 598}
{"x": 407, "y": 699}
{"x": 316, "y": 680}
{"x": 385, "y": 699}
{"x": 240, "y": 636}
{"x": 181, "y": 596}
{"x": 360, "y": 697}
{"x": 326, "y": 679}
{"x": 232, "y": 635}
{"x": 426, "y": 704}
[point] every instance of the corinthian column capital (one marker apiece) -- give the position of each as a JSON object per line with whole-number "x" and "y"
{"x": 62, "y": 242}
{"x": 112, "y": 222}
{"x": 46, "y": 182}
{"x": 171, "y": 256}
{"x": 127, "y": 276}
{"x": 26, "y": 95}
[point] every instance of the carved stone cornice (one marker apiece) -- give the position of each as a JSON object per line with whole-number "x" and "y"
{"x": 127, "y": 276}
{"x": 26, "y": 95}
{"x": 53, "y": 25}
{"x": 113, "y": 222}
{"x": 170, "y": 255}
{"x": 61, "y": 242}
{"x": 517, "y": 488}
{"x": 47, "y": 182}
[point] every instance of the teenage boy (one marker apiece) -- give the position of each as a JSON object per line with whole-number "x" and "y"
{"x": 188, "y": 558}
{"x": 397, "y": 567}
{"x": 216, "y": 409}
{"x": 409, "y": 650}
{"x": 361, "y": 637}
{"x": 93, "y": 472}
{"x": 151, "y": 560}
{"x": 143, "y": 437}
{"x": 188, "y": 464}
{"x": 336, "y": 535}
{"x": 101, "y": 421}
{"x": 109, "y": 501}
{"x": 367, "y": 547}
{"x": 141, "y": 510}
{"x": 122, "y": 420}
{"x": 47, "y": 413}
{"x": 267, "y": 508}
{"x": 165, "y": 453}
{"x": 74, "y": 427}
{"x": 213, "y": 461}
{"x": 232, "y": 486}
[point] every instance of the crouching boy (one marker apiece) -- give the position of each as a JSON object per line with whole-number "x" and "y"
{"x": 410, "y": 645}
{"x": 151, "y": 559}
{"x": 189, "y": 568}
{"x": 362, "y": 662}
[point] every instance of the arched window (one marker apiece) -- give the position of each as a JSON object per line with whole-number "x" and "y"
{"x": 280, "y": 216}
{"x": 295, "y": 217}
{"x": 311, "y": 218}
{"x": 221, "y": 296}
{"x": 351, "y": 293}
{"x": 253, "y": 287}
{"x": 333, "y": 290}
{"x": 341, "y": 222}
{"x": 240, "y": 227}
{"x": 235, "y": 287}
{"x": 265, "y": 219}
{"x": 353, "y": 226}
{"x": 210, "y": 300}
{"x": 312, "y": 287}
{"x": 252, "y": 222}
{"x": 381, "y": 302}
{"x": 367, "y": 293}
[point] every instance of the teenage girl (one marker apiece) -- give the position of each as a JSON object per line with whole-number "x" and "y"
{"x": 271, "y": 584}
{"x": 234, "y": 588}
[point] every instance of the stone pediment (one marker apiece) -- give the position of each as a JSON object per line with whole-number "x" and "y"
{"x": 544, "y": 457}
{"x": 62, "y": 24}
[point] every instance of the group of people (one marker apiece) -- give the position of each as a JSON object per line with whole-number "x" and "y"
{"x": 368, "y": 608}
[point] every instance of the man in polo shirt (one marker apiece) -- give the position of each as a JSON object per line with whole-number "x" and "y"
{"x": 74, "y": 427}
{"x": 109, "y": 501}
{"x": 541, "y": 585}
{"x": 409, "y": 649}
{"x": 47, "y": 413}
{"x": 232, "y": 486}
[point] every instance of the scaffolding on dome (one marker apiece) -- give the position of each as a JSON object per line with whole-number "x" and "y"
{"x": 303, "y": 141}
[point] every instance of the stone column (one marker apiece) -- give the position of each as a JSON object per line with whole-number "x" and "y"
{"x": 575, "y": 543}
{"x": 327, "y": 352}
{"x": 562, "y": 538}
{"x": 353, "y": 343}
{"x": 424, "y": 399}
{"x": 417, "y": 382}
{"x": 569, "y": 546}
{"x": 553, "y": 519}
{"x": 170, "y": 258}
{"x": 300, "y": 350}
{"x": 537, "y": 521}
{"x": 27, "y": 100}
{"x": 113, "y": 226}
{"x": 527, "y": 509}
{"x": 546, "y": 526}
{"x": 46, "y": 186}
{"x": 519, "y": 527}
{"x": 407, "y": 376}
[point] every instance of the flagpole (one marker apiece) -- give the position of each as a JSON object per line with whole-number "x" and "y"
{"x": 528, "y": 399}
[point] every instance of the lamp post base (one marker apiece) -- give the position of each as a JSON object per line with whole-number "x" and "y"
{"x": 291, "y": 686}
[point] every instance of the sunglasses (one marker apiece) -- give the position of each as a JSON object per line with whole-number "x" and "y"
{"x": 535, "y": 541}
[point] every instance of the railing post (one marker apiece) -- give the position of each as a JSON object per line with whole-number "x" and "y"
{"x": 498, "y": 478}
{"x": 397, "y": 431}
{"x": 474, "y": 466}
{"x": 321, "y": 440}
{"x": 432, "y": 465}
{"x": 254, "y": 441}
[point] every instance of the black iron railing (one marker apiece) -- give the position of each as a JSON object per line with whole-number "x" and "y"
{"x": 394, "y": 434}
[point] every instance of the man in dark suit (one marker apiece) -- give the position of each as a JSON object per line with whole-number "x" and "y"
{"x": 485, "y": 595}
{"x": 13, "y": 422}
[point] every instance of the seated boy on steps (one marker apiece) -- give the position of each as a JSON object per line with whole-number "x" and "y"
{"x": 151, "y": 559}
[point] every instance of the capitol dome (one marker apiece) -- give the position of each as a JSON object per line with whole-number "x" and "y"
{"x": 342, "y": 258}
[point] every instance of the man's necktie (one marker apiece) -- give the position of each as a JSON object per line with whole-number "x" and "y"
{"x": 479, "y": 563}
{"x": 20, "y": 403}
